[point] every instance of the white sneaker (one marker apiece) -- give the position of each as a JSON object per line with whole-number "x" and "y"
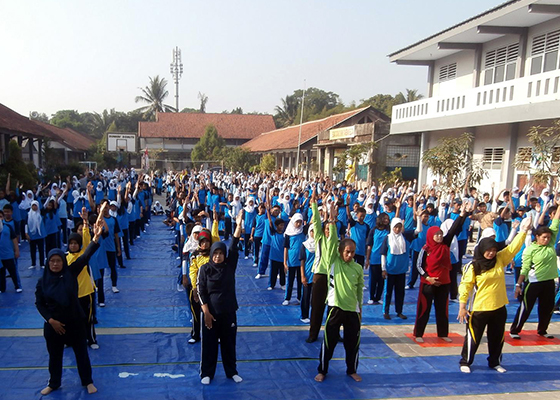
{"x": 115, "y": 290}
{"x": 101, "y": 304}
{"x": 418, "y": 339}
{"x": 237, "y": 378}
{"x": 514, "y": 336}
{"x": 32, "y": 267}
{"x": 500, "y": 369}
{"x": 94, "y": 346}
{"x": 254, "y": 265}
{"x": 192, "y": 341}
{"x": 305, "y": 320}
{"x": 285, "y": 302}
{"x": 258, "y": 276}
{"x": 283, "y": 287}
{"x": 370, "y": 302}
{"x": 465, "y": 369}
{"x": 269, "y": 288}
{"x": 178, "y": 258}
{"x": 180, "y": 288}
{"x": 19, "y": 290}
{"x": 246, "y": 257}
{"x": 205, "y": 380}
{"x": 407, "y": 287}
{"x": 557, "y": 312}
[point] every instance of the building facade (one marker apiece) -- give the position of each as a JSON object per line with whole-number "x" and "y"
{"x": 495, "y": 76}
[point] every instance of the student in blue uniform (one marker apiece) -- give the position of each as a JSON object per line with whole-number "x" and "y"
{"x": 35, "y": 233}
{"x": 374, "y": 242}
{"x": 359, "y": 232}
{"x": 258, "y": 231}
{"x": 9, "y": 249}
{"x": 276, "y": 251}
{"x": 112, "y": 249}
{"x": 293, "y": 239}
{"x": 52, "y": 224}
{"x": 249, "y": 217}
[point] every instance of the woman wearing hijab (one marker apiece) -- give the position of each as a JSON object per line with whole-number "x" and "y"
{"x": 52, "y": 223}
{"x": 216, "y": 289}
{"x": 249, "y": 217}
{"x": 485, "y": 280}
{"x": 538, "y": 272}
{"x": 307, "y": 259}
{"x": 56, "y": 298}
{"x": 375, "y": 240}
{"x": 394, "y": 265}
{"x": 23, "y": 209}
{"x": 434, "y": 268}
{"x": 293, "y": 239}
{"x": 35, "y": 233}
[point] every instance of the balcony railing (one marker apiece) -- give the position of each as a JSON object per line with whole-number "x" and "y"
{"x": 529, "y": 89}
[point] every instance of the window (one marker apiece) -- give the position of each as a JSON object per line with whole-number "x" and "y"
{"x": 493, "y": 157}
{"x": 448, "y": 72}
{"x": 500, "y": 64}
{"x": 544, "y": 53}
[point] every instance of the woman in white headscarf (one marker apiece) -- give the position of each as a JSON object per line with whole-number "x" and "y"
{"x": 35, "y": 233}
{"x": 394, "y": 265}
{"x": 249, "y": 217}
{"x": 307, "y": 259}
{"x": 293, "y": 239}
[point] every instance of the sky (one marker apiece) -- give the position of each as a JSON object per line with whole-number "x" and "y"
{"x": 95, "y": 55}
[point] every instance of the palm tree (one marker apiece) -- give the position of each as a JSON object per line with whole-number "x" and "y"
{"x": 203, "y": 100}
{"x": 100, "y": 123}
{"x": 154, "y": 94}
{"x": 411, "y": 95}
{"x": 287, "y": 112}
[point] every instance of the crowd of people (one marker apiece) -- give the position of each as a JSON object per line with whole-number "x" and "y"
{"x": 315, "y": 237}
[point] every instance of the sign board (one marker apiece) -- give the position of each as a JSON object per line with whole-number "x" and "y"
{"x": 342, "y": 133}
{"x": 121, "y": 142}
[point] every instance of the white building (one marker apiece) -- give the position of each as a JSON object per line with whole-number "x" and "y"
{"x": 495, "y": 75}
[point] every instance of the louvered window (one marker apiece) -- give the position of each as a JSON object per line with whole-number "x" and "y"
{"x": 448, "y": 72}
{"x": 544, "y": 53}
{"x": 493, "y": 157}
{"x": 500, "y": 64}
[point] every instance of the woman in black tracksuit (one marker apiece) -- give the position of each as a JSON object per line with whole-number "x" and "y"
{"x": 216, "y": 290}
{"x": 56, "y": 298}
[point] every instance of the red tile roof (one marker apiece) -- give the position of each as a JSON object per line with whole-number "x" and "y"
{"x": 287, "y": 138}
{"x": 68, "y": 137}
{"x": 192, "y": 125}
{"x": 20, "y": 125}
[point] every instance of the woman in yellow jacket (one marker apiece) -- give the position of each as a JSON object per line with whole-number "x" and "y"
{"x": 484, "y": 279}
{"x": 86, "y": 287}
{"x": 200, "y": 257}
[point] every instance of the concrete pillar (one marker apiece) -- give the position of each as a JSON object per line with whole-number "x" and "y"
{"x": 40, "y": 152}
{"x": 283, "y": 162}
{"x": 330, "y": 152}
{"x": 308, "y": 164}
{"x": 65, "y": 156}
{"x": 509, "y": 161}
{"x": 290, "y": 163}
{"x": 30, "y": 143}
{"x": 320, "y": 159}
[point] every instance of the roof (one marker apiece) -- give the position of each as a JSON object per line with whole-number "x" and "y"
{"x": 287, "y": 138}
{"x": 193, "y": 125}
{"x": 513, "y": 13}
{"x": 18, "y": 124}
{"x": 68, "y": 137}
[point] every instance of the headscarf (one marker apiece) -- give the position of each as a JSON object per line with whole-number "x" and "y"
{"x": 291, "y": 230}
{"x": 250, "y": 207}
{"x": 285, "y": 202}
{"x": 204, "y": 234}
{"x": 397, "y": 244}
{"x": 54, "y": 188}
{"x": 111, "y": 212}
{"x": 27, "y": 200}
{"x": 361, "y": 196}
{"x": 218, "y": 246}
{"x": 437, "y": 253}
{"x": 369, "y": 202}
{"x": 34, "y": 219}
{"x": 61, "y": 287}
{"x": 78, "y": 239}
{"x": 310, "y": 242}
{"x": 192, "y": 244}
{"x": 480, "y": 263}
{"x": 454, "y": 247}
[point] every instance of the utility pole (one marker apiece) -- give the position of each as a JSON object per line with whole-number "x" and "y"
{"x": 300, "y": 124}
{"x": 176, "y": 72}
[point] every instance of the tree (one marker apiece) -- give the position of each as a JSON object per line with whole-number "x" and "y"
{"x": 17, "y": 168}
{"x": 268, "y": 163}
{"x": 36, "y": 116}
{"x": 451, "y": 160}
{"x": 542, "y": 160}
{"x": 203, "y": 100}
{"x": 189, "y": 110}
{"x": 239, "y": 159}
{"x": 154, "y": 94}
{"x": 210, "y": 147}
{"x": 286, "y": 113}
{"x": 72, "y": 119}
{"x": 411, "y": 95}
{"x": 381, "y": 102}
{"x": 100, "y": 122}
{"x": 388, "y": 178}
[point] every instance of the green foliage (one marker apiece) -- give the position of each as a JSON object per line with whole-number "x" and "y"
{"x": 154, "y": 95}
{"x": 451, "y": 160}
{"x": 237, "y": 110}
{"x": 388, "y": 178}
{"x": 203, "y": 100}
{"x": 189, "y": 110}
{"x": 19, "y": 170}
{"x": 381, "y": 102}
{"x": 239, "y": 159}
{"x": 39, "y": 117}
{"x": 268, "y": 163}
{"x": 72, "y": 119}
{"x": 286, "y": 113}
{"x": 542, "y": 162}
{"x": 210, "y": 147}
